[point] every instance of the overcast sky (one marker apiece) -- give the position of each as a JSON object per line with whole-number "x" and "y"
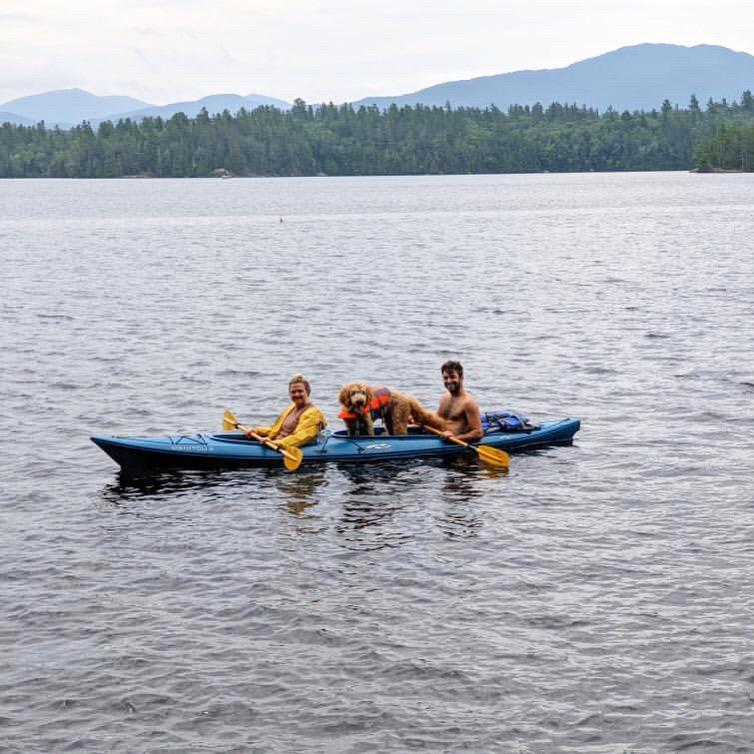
{"x": 328, "y": 50}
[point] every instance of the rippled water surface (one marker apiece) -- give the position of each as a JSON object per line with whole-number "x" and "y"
{"x": 599, "y": 598}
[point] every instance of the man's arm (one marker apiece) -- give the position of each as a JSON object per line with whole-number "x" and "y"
{"x": 473, "y": 422}
{"x": 442, "y": 407}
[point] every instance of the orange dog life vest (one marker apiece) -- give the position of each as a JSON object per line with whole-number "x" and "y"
{"x": 379, "y": 401}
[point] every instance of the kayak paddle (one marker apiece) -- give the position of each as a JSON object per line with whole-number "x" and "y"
{"x": 292, "y": 457}
{"x": 491, "y": 456}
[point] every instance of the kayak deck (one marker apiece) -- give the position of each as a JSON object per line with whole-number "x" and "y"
{"x": 233, "y": 450}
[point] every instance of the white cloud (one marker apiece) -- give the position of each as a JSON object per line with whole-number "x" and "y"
{"x": 329, "y": 50}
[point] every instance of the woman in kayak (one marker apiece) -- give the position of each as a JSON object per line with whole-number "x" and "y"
{"x": 300, "y": 423}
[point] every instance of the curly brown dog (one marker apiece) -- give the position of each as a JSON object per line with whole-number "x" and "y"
{"x": 363, "y": 404}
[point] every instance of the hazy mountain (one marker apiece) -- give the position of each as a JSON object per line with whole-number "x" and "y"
{"x": 65, "y": 106}
{"x": 17, "y": 120}
{"x": 215, "y": 103}
{"x": 631, "y": 78}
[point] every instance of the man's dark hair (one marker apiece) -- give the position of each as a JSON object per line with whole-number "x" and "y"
{"x": 452, "y": 366}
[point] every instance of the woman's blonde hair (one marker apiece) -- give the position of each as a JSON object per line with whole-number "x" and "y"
{"x": 300, "y": 378}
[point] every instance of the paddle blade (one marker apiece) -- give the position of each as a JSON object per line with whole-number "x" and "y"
{"x": 229, "y": 421}
{"x": 493, "y": 456}
{"x": 292, "y": 458}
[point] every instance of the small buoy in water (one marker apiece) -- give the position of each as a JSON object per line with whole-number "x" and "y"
{"x": 281, "y": 219}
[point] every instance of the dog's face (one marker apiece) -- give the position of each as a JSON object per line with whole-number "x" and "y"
{"x": 356, "y": 396}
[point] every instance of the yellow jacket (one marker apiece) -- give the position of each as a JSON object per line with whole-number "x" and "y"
{"x": 307, "y": 429}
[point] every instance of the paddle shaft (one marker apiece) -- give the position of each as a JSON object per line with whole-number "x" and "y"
{"x": 456, "y": 440}
{"x": 265, "y": 441}
{"x": 493, "y": 456}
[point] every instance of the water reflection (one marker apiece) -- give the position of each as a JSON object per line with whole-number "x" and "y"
{"x": 129, "y": 487}
{"x": 371, "y": 525}
{"x": 379, "y": 503}
{"x": 374, "y": 504}
{"x": 364, "y": 478}
{"x": 300, "y": 490}
{"x": 210, "y": 484}
{"x": 461, "y": 517}
{"x": 372, "y": 500}
{"x": 461, "y": 482}
{"x": 492, "y": 472}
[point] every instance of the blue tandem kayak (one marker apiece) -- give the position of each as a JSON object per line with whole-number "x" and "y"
{"x": 233, "y": 450}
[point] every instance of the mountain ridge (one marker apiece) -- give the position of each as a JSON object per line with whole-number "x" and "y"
{"x": 67, "y": 107}
{"x": 213, "y": 103}
{"x": 16, "y": 120}
{"x": 635, "y": 77}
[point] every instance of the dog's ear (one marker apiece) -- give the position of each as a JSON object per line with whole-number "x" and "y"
{"x": 369, "y": 394}
{"x": 344, "y": 396}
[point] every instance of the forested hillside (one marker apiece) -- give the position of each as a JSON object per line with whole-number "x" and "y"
{"x": 330, "y": 140}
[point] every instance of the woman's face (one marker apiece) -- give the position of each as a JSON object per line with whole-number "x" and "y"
{"x": 297, "y": 392}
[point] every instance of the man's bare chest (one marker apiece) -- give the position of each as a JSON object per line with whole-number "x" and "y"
{"x": 453, "y": 409}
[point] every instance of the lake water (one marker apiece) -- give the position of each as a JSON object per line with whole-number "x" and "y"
{"x": 599, "y": 598}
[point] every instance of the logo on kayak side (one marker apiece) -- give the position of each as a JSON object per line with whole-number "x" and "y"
{"x": 379, "y": 446}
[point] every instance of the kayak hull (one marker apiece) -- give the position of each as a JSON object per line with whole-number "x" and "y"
{"x": 233, "y": 450}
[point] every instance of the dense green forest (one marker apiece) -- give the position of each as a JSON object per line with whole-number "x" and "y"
{"x": 341, "y": 140}
{"x": 731, "y": 147}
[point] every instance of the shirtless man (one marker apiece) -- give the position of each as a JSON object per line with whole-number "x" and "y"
{"x": 459, "y": 409}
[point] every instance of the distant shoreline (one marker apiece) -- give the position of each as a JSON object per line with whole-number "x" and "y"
{"x": 719, "y": 170}
{"x": 361, "y": 175}
{"x": 696, "y": 171}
